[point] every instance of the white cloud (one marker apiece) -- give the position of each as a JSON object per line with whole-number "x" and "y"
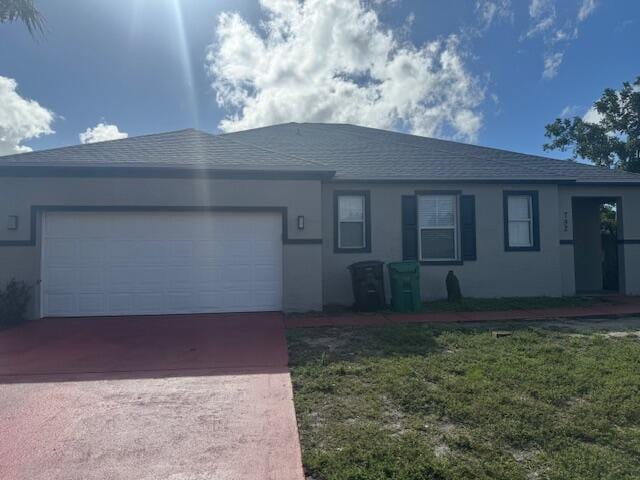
{"x": 20, "y": 119}
{"x": 543, "y": 16}
{"x": 489, "y": 11}
{"x": 586, "y": 8}
{"x": 569, "y": 111}
{"x": 332, "y": 61}
{"x": 101, "y": 133}
{"x": 557, "y": 31}
{"x": 592, "y": 116}
{"x": 552, "y": 62}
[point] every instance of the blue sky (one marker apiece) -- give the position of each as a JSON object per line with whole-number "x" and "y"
{"x": 157, "y": 65}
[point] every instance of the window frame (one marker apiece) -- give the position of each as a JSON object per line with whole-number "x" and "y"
{"x": 457, "y": 260}
{"x": 534, "y": 220}
{"x": 366, "y": 196}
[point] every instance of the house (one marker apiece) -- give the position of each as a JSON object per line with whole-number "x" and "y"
{"x": 270, "y": 218}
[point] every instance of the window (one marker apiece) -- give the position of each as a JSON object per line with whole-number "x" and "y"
{"x": 521, "y": 220}
{"x": 438, "y": 227}
{"x": 352, "y": 229}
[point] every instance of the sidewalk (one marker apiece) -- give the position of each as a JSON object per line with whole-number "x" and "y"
{"x": 620, "y": 306}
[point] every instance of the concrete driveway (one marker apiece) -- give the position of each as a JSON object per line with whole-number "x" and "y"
{"x": 176, "y": 397}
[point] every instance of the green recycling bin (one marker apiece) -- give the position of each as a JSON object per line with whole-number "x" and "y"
{"x": 404, "y": 279}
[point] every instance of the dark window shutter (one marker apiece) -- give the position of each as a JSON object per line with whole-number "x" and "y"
{"x": 468, "y": 226}
{"x": 535, "y": 211}
{"x": 409, "y": 227}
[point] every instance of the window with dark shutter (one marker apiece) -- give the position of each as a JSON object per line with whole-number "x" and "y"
{"x": 438, "y": 227}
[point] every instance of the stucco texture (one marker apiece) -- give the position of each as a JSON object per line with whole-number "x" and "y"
{"x": 302, "y": 268}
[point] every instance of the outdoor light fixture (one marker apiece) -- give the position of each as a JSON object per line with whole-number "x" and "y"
{"x": 12, "y": 223}
{"x": 301, "y": 222}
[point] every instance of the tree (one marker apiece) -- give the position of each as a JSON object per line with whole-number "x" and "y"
{"x": 23, "y": 10}
{"x": 613, "y": 140}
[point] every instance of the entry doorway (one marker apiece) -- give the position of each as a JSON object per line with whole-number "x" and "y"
{"x": 595, "y": 244}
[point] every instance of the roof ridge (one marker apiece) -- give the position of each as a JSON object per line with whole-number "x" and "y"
{"x": 500, "y": 151}
{"x": 315, "y": 162}
{"x": 474, "y": 145}
{"x": 264, "y": 127}
{"x": 414, "y": 147}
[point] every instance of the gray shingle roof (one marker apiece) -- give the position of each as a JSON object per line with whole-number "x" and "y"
{"x": 352, "y": 152}
{"x": 359, "y": 153}
{"x": 181, "y": 149}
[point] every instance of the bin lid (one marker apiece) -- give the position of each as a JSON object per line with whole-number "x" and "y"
{"x": 403, "y": 267}
{"x": 365, "y": 264}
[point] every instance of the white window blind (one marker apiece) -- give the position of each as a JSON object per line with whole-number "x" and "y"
{"x": 351, "y": 221}
{"x": 437, "y": 220}
{"x": 520, "y": 218}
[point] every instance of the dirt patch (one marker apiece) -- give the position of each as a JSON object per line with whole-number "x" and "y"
{"x": 330, "y": 343}
{"x": 622, "y": 334}
{"x": 522, "y": 456}
{"x": 594, "y": 325}
{"x": 441, "y": 450}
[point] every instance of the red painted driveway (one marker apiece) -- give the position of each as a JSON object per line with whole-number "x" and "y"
{"x": 176, "y": 397}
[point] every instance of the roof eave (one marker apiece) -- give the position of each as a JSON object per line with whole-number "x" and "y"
{"x": 555, "y": 181}
{"x": 164, "y": 172}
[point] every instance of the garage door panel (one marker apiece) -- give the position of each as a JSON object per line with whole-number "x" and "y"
{"x": 237, "y": 250}
{"x": 121, "y": 252}
{"x": 89, "y": 279}
{"x": 148, "y": 302}
{"x": 150, "y": 252}
{"x": 180, "y": 250}
{"x": 180, "y": 301}
{"x": 234, "y": 274}
{"x": 90, "y": 251}
{"x": 180, "y": 278}
{"x": 91, "y": 303}
{"x": 209, "y": 275}
{"x": 265, "y": 273}
{"x": 120, "y": 303}
{"x": 237, "y": 299}
{"x": 210, "y": 300}
{"x": 150, "y": 278}
{"x": 144, "y": 263}
{"x": 59, "y": 303}
{"x": 61, "y": 278}
{"x": 65, "y": 226}
{"x": 120, "y": 279}
{"x": 263, "y": 249}
{"x": 208, "y": 252}
{"x": 61, "y": 252}
{"x": 264, "y": 299}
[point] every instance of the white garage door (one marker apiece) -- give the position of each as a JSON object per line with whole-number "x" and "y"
{"x": 160, "y": 263}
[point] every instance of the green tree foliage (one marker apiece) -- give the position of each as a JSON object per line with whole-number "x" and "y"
{"x": 23, "y": 10}
{"x": 614, "y": 141}
{"x": 608, "y": 219}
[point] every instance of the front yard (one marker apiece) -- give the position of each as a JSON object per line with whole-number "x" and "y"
{"x": 452, "y": 402}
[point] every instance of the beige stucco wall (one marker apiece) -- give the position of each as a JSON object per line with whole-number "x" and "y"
{"x": 313, "y": 274}
{"x": 302, "y": 270}
{"x": 495, "y": 273}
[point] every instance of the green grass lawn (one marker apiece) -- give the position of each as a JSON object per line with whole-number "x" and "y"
{"x": 427, "y": 402}
{"x": 512, "y": 303}
{"x": 487, "y": 304}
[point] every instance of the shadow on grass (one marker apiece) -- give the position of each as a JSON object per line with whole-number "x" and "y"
{"x": 354, "y": 343}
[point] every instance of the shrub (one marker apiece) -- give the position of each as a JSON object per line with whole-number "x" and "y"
{"x": 14, "y": 300}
